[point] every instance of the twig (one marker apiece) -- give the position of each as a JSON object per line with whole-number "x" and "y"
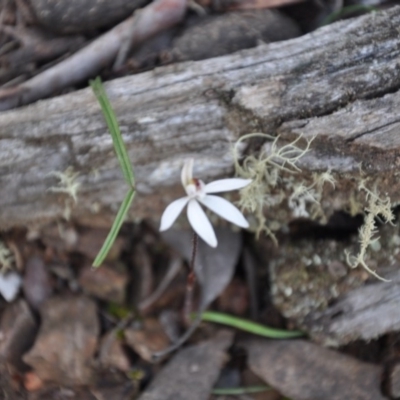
{"x": 126, "y": 43}
{"x": 160, "y": 354}
{"x": 173, "y": 269}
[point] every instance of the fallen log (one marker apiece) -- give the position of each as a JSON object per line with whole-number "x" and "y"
{"x": 313, "y": 286}
{"x": 365, "y": 313}
{"x": 338, "y": 85}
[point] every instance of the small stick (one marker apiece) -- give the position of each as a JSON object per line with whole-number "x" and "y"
{"x": 172, "y": 271}
{"x": 157, "y": 356}
{"x": 126, "y": 43}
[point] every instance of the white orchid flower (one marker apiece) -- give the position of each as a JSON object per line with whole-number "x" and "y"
{"x": 198, "y": 192}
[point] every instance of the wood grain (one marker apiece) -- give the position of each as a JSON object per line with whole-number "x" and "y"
{"x": 339, "y": 84}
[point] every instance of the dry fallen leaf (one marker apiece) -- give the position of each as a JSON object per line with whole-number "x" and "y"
{"x": 147, "y": 339}
{"x": 67, "y": 340}
{"x": 214, "y": 267}
{"x": 36, "y": 283}
{"x": 302, "y": 370}
{"x": 18, "y": 328}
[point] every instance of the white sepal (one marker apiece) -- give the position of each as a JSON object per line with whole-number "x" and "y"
{"x": 172, "y": 212}
{"x": 225, "y": 209}
{"x": 200, "y": 223}
{"x": 226, "y": 185}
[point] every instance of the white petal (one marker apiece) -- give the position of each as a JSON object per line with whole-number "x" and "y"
{"x": 225, "y": 209}
{"x": 187, "y": 172}
{"x": 226, "y": 185}
{"x": 10, "y": 284}
{"x": 172, "y": 212}
{"x": 200, "y": 223}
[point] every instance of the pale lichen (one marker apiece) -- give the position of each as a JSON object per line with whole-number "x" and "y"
{"x": 305, "y": 201}
{"x": 6, "y": 258}
{"x": 266, "y": 170}
{"x": 69, "y": 185}
{"x": 276, "y": 178}
{"x": 377, "y": 208}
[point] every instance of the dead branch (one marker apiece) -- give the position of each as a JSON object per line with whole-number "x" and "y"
{"x": 333, "y": 85}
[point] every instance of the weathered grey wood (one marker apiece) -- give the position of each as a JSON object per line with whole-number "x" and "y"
{"x": 347, "y": 74}
{"x": 364, "y": 313}
{"x": 313, "y": 286}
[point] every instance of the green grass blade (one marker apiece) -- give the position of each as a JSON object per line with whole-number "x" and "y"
{"x": 347, "y": 12}
{"x": 249, "y": 326}
{"x": 119, "y": 219}
{"x": 239, "y": 391}
{"x": 113, "y": 126}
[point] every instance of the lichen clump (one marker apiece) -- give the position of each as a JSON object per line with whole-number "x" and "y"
{"x": 6, "y": 258}
{"x": 276, "y": 179}
{"x": 377, "y": 207}
{"x": 69, "y": 185}
{"x": 273, "y": 173}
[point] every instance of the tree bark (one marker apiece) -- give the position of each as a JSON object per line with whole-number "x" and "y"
{"x": 338, "y": 84}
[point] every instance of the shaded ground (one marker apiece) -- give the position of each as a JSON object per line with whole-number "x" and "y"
{"x": 74, "y": 331}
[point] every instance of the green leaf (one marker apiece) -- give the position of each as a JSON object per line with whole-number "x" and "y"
{"x": 248, "y": 326}
{"x": 118, "y": 311}
{"x": 119, "y": 219}
{"x": 239, "y": 391}
{"x": 112, "y": 124}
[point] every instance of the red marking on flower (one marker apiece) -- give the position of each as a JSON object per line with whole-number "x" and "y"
{"x": 197, "y": 183}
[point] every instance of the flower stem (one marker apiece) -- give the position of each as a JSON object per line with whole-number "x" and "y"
{"x": 191, "y": 280}
{"x": 187, "y": 308}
